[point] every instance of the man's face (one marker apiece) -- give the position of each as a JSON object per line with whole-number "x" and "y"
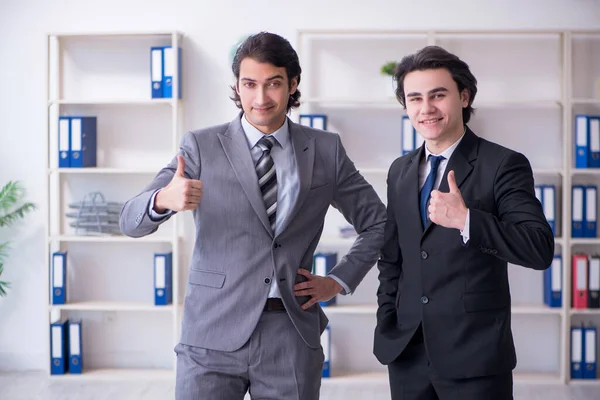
{"x": 434, "y": 104}
{"x": 264, "y": 91}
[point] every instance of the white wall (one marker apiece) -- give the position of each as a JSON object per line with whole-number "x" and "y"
{"x": 210, "y": 29}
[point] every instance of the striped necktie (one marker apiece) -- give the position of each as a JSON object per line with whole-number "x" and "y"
{"x": 267, "y": 179}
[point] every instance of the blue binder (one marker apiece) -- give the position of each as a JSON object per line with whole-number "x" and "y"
{"x": 163, "y": 285}
{"x": 577, "y": 210}
{"x": 326, "y": 344}
{"x": 577, "y": 350}
{"x": 59, "y": 278}
{"x": 408, "y": 136}
{"x": 156, "y": 72}
{"x": 168, "y": 70}
{"x": 590, "y": 354}
{"x": 316, "y": 121}
{"x": 83, "y": 142}
{"x": 590, "y": 215}
{"x": 582, "y": 141}
{"x": 594, "y": 143}
{"x": 58, "y": 347}
{"x": 553, "y": 283}
{"x": 75, "y": 347}
{"x": 323, "y": 263}
{"x": 549, "y": 205}
{"x": 64, "y": 142}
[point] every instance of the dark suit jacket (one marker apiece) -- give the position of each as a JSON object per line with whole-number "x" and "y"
{"x": 459, "y": 293}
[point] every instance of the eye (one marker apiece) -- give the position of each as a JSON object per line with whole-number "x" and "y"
{"x": 249, "y": 84}
{"x": 275, "y": 84}
{"x": 438, "y": 96}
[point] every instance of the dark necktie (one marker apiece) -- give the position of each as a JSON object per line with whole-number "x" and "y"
{"x": 267, "y": 179}
{"x": 428, "y": 187}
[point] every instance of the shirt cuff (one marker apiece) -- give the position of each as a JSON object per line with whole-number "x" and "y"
{"x": 465, "y": 232}
{"x": 153, "y": 214}
{"x": 338, "y": 280}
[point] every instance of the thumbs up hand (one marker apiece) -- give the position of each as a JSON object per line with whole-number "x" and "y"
{"x": 181, "y": 193}
{"x": 448, "y": 209}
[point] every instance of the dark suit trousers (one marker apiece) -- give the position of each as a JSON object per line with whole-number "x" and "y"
{"x": 412, "y": 378}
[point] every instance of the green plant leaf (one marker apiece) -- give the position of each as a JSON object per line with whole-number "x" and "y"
{"x": 389, "y": 68}
{"x": 15, "y": 215}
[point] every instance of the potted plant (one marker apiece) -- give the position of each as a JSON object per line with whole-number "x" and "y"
{"x": 11, "y": 210}
{"x": 387, "y": 71}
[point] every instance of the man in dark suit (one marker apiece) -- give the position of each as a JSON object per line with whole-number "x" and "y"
{"x": 259, "y": 187}
{"x": 459, "y": 209}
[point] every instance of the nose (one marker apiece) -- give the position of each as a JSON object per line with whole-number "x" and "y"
{"x": 261, "y": 96}
{"x": 427, "y": 107}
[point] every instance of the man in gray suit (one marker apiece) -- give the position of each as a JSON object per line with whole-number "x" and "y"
{"x": 259, "y": 187}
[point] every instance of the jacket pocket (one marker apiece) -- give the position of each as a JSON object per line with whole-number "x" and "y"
{"x": 485, "y": 301}
{"x": 206, "y": 278}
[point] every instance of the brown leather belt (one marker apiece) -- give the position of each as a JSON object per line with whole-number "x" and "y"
{"x": 274, "y": 304}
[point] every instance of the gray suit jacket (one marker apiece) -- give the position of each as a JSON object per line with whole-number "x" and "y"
{"x": 235, "y": 251}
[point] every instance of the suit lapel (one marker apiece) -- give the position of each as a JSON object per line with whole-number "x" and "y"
{"x": 236, "y": 149}
{"x": 408, "y": 188}
{"x": 461, "y": 162}
{"x": 304, "y": 151}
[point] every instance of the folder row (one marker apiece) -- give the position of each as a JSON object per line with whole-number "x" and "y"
{"x": 584, "y": 352}
{"x": 587, "y": 141}
{"x": 411, "y": 140}
{"x": 584, "y": 207}
{"x": 163, "y": 278}
{"x": 546, "y": 194}
{"x": 323, "y": 263}
{"x": 326, "y": 344}
{"x": 162, "y": 67}
{"x": 76, "y": 142}
{"x": 316, "y": 121}
{"x": 66, "y": 347}
{"x": 585, "y": 281}
{"x": 553, "y": 283}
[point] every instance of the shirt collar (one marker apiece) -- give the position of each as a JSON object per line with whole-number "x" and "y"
{"x": 448, "y": 152}
{"x": 253, "y": 135}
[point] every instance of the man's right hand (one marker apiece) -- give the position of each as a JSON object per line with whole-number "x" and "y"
{"x": 180, "y": 194}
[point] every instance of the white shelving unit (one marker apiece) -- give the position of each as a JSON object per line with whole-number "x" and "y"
{"x": 530, "y": 86}
{"x": 110, "y": 278}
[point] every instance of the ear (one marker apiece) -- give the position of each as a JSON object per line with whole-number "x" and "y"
{"x": 293, "y": 85}
{"x": 237, "y": 86}
{"x": 464, "y": 98}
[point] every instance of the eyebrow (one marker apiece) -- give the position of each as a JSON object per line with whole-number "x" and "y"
{"x": 432, "y": 91}
{"x": 268, "y": 79}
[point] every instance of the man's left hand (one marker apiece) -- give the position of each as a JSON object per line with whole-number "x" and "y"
{"x": 448, "y": 209}
{"x": 318, "y": 287}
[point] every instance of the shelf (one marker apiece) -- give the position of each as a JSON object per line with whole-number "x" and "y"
{"x": 584, "y": 382}
{"x": 534, "y": 309}
{"x": 392, "y": 103}
{"x": 110, "y": 306}
{"x": 120, "y": 374}
{"x": 114, "y": 171}
{"x": 584, "y": 311}
{"x": 537, "y": 378}
{"x": 547, "y": 171}
{"x": 96, "y": 35}
{"x": 119, "y": 102}
{"x": 585, "y": 171}
{"x": 382, "y": 378}
{"x": 586, "y": 101}
{"x": 112, "y": 239}
{"x": 363, "y": 309}
{"x": 588, "y": 241}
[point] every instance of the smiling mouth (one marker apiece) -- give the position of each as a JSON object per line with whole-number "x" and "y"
{"x": 431, "y": 121}
{"x": 262, "y": 109}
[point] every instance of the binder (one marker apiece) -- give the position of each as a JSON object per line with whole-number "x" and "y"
{"x": 590, "y": 352}
{"x": 168, "y": 71}
{"x": 326, "y": 344}
{"x": 582, "y": 137}
{"x": 553, "y": 283}
{"x": 59, "y": 275}
{"x": 64, "y": 142}
{"x": 58, "y": 347}
{"x": 163, "y": 284}
{"x": 323, "y": 263}
{"x": 577, "y": 345}
{"x": 75, "y": 358}
{"x": 577, "y": 211}
{"x": 408, "y": 136}
{"x": 590, "y": 216}
{"x": 549, "y": 205}
{"x": 83, "y": 142}
{"x": 538, "y": 194}
{"x": 316, "y": 121}
{"x": 594, "y": 135}
{"x": 580, "y": 281}
{"x": 594, "y": 282}
{"x": 156, "y": 72}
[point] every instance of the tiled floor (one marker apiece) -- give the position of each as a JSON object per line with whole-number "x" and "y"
{"x": 37, "y": 386}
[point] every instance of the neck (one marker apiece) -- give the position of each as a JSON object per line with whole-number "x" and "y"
{"x": 437, "y": 147}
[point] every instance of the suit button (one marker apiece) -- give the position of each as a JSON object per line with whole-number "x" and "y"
{"x": 424, "y": 299}
{"x": 267, "y": 281}
{"x": 424, "y": 255}
{"x": 275, "y": 245}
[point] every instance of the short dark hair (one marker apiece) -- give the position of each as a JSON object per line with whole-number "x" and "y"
{"x": 435, "y": 57}
{"x": 265, "y": 47}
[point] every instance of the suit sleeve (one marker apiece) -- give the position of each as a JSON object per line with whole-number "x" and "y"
{"x": 518, "y": 233}
{"x": 390, "y": 262}
{"x": 356, "y": 199}
{"x": 135, "y": 220}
